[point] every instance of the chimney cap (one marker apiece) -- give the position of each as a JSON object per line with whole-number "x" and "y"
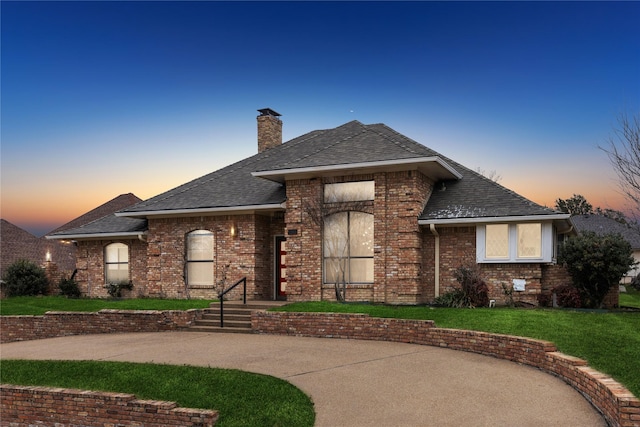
{"x": 268, "y": 112}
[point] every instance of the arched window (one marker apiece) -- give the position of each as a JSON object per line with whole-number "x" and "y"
{"x": 348, "y": 248}
{"x": 200, "y": 258}
{"x": 116, "y": 263}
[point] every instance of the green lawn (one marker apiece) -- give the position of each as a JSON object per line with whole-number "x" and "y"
{"x": 242, "y": 398}
{"x": 609, "y": 341}
{"x": 631, "y": 298}
{"x": 40, "y": 305}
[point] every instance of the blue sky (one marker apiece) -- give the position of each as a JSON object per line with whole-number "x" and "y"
{"x": 104, "y": 98}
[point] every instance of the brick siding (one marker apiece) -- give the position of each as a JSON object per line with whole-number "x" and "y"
{"x": 618, "y": 406}
{"x": 24, "y": 406}
{"x": 59, "y": 324}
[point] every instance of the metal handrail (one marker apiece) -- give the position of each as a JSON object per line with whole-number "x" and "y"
{"x": 223, "y": 293}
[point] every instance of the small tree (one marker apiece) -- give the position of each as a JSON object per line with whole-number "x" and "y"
{"x": 596, "y": 263}
{"x": 24, "y": 277}
{"x": 576, "y": 205}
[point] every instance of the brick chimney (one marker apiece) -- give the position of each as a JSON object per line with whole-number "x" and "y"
{"x": 269, "y": 129}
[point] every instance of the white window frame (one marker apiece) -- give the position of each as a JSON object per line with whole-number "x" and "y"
{"x": 205, "y": 263}
{"x": 547, "y": 243}
{"x": 117, "y": 262}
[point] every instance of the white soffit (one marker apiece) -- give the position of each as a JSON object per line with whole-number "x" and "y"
{"x": 433, "y": 167}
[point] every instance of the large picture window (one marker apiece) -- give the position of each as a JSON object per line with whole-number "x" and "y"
{"x": 116, "y": 263}
{"x": 523, "y": 242}
{"x": 348, "y": 248}
{"x": 200, "y": 258}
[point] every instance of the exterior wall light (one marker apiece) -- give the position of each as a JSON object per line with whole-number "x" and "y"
{"x": 47, "y": 257}
{"x": 233, "y": 231}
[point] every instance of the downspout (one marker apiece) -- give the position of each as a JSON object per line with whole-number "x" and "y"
{"x": 436, "y": 278}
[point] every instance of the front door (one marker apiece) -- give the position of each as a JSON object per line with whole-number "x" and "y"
{"x": 280, "y": 270}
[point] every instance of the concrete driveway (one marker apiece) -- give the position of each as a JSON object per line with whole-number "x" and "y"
{"x": 354, "y": 383}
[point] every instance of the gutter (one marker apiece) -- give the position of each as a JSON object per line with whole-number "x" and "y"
{"x": 128, "y": 235}
{"x": 219, "y": 210}
{"x": 492, "y": 219}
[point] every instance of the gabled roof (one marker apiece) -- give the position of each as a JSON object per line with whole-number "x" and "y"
{"x": 475, "y": 198}
{"x": 114, "y": 205}
{"x": 102, "y": 222}
{"x": 242, "y": 184}
{"x": 257, "y": 183}
{"x": 601, "y": 224}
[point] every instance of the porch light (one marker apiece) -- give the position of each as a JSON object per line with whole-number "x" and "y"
{"x": 233, "y": 231}
{"x": 47, "y": 257}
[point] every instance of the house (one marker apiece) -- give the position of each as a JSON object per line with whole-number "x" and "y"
{"x": 357, "y": 204}
{"x": 58, "y": 257}
{"x": 601, "y": 225}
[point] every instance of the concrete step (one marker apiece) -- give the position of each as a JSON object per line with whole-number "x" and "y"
{"x": 218, "y": 329}
{"x": 228, "y": 323}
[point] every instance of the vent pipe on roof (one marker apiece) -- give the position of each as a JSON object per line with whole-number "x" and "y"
{"x": 269, "y": 129}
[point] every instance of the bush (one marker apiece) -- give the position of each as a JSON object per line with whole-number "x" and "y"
{"x": 69, "y": 287}
{"x": 473, "y": 285}
{"x": 454, "y": 299}
{"x": 115, "y": 289}
{"x": 567, "y": 296}
{"x": 596, "y": 263}
{"x": 24, "y": 278}
{"x": 473, "y": 291}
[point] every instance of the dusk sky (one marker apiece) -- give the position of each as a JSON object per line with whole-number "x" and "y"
{"x": 104, "y": 98}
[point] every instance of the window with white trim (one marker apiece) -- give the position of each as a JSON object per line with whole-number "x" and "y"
{"x": 200, "y": 258}
{"x": 521, "y": 242}
{"x": 116, "y": 263}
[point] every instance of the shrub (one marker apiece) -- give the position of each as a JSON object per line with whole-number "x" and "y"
{"x": 23, "y": 278}
{"x": 69, "y": 287}
{"x": 473, "y": 285}
{"x": 596, "y": 263}
{"x": 567, "y": 296}
{"x": 473, "y": 291}
{"x": 454, "y": 299}
{"x": 115, "y": 289}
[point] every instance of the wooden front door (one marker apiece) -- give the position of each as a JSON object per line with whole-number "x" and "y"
{"x": 281, "y": 268}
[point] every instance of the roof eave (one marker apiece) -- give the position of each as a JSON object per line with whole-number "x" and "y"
{"x": 85, "y": 236}
{"x": 495, "y": 219}
{"x": 225, "y": 210}
{"x": 434, "y": 167}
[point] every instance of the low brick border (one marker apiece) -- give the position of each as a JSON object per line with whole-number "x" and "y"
{"x": 63, "y": 323}
{"x": 618, "y": 405}
{"x": 49, "y": 406}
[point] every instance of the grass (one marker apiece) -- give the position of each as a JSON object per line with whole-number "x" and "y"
{"x": 40, "y": 305}
{"x": 242, "y": 398}
{"x": 631, "y": 298}
{"x": 608, "y": 341}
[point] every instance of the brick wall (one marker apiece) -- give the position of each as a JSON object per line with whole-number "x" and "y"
{"x": 59, "y": 324}
{"x": 618, "y": 406}
{"x": 398, "y": 261}
{"x": 90, "y": 266}
{"x": 24, "y": 406}
{"x": 157, "y": 267}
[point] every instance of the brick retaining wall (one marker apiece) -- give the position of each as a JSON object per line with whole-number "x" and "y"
{"x": 59, "y": 323}
{"x": 618, "y": 406}
{"x": 24, "y": 406}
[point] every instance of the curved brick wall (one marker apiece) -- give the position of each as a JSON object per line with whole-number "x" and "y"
{"x": 61, "y": 323}
{"x": 618, "y": 406}
{"x": 49, "y": 406}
